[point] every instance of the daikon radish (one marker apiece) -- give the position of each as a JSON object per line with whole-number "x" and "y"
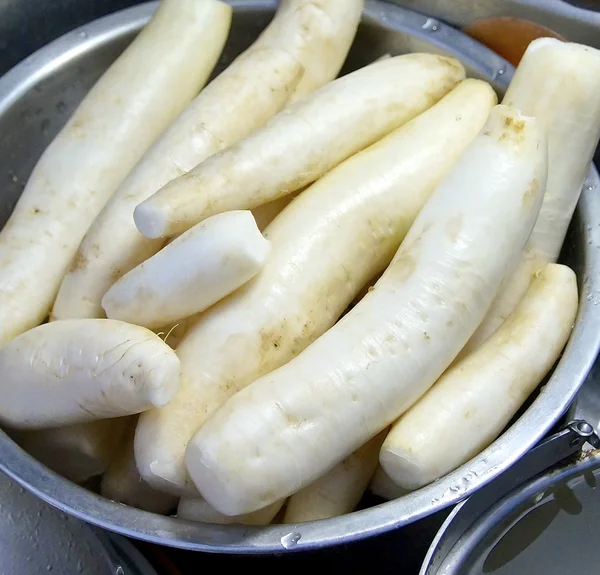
{"x": 326, "y": 245}
{"x": 79, "y": 451}
{"x": 302, "y": 41}
{"x": 302, "y": 142}
{"x": 473, "y": 402}
{"x": 318, "y": 33}
{"x": 131, "y": 104}
{"x": 199, "y": 268}
{"x": 558, "y": 83}
{"x": 339, "y": 490}
{"x": 382, "y": 485}
{"x": 199, "y": 510}
{"x": 74, "y": 371}
{"x": 123, "y": 483}
{"x": 369, "y": 368}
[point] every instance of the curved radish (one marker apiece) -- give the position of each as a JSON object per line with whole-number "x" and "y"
{"x": 199, "y": 510}
{"x": 123, "y": 483}
{"x": 74, "y": 371}
{"x": 383, "y": 355}
{"x": 558, "y": 83}
{"x": 131, "y": 104}
{"x": 339, "y": 490}
{"x": 473, "y": 402}
{"x": 79, "y": 451}
{"x": 196, "y": 270}
{"x": 303, "y": 44}
{"x": 326, "y": 244}
{"x": 302, "y": 142}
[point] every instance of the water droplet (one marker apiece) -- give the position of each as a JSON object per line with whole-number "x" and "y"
{"x": 83, "y": 34}
{"x": 119, "y": 570}
{"x": 290, "y": 540}
{"x": 432, "y": 25}
{"x": 49, "y": 567}
{"x": 61, "y": 107}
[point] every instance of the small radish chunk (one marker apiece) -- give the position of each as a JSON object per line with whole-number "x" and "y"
{"x": 303, "y": 142}
{"x": 193, "y": 272}
{"x": 378, "y": 360}
{"x": 74, "y": 371}
{"x": 472, "y": 402}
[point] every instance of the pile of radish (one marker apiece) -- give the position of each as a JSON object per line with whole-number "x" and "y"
{"x": 276, "y": 289}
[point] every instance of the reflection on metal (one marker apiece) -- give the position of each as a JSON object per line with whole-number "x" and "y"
{"x": 571, "y": 20}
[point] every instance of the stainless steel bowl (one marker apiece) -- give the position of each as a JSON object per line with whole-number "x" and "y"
{"x": 36, "y": 98}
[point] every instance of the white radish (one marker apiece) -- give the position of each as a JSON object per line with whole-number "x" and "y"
{"x": 472, "y": 403}
{"x": 318, "y": 33}
{"x": 326, "y": 245}
{"x": 123, "y": 483}
{"x": 125, "y": 111}
{"x": 74, "y": 371}
{"x": 79, "y": 451}
{"x": 199, "y": 510}
{"x": 301, "y": 44}
{"x": 302, "y": 142}
{"x": 558, "y": 83}
{"x": 199, "y": 268}
{"x": 369, "y": 368}
{"x": 382, "y": 485}
{"x": 338, "y": 491}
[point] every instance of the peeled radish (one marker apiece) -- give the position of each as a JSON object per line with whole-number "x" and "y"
{"x": 74, "y": 371}
{"x": 558, "y": 83}
{"x": 131, "y": 104}
{"x": 199, "y": 268}
{"x": 369, "y": 368}
{"x": 302, "y": 142}
{"x": 326, "y": 245}
{"x": 302, "y": 48}
{"x": 199, "y": 510}
{"x": 123, "y": 483}
{"x": 79, "y": 451}
{"x": 339, "y": 490}
{"x": 473, "y": 402}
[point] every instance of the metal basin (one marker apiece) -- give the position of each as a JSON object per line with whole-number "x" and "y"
{"x": 36, "y": 98}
